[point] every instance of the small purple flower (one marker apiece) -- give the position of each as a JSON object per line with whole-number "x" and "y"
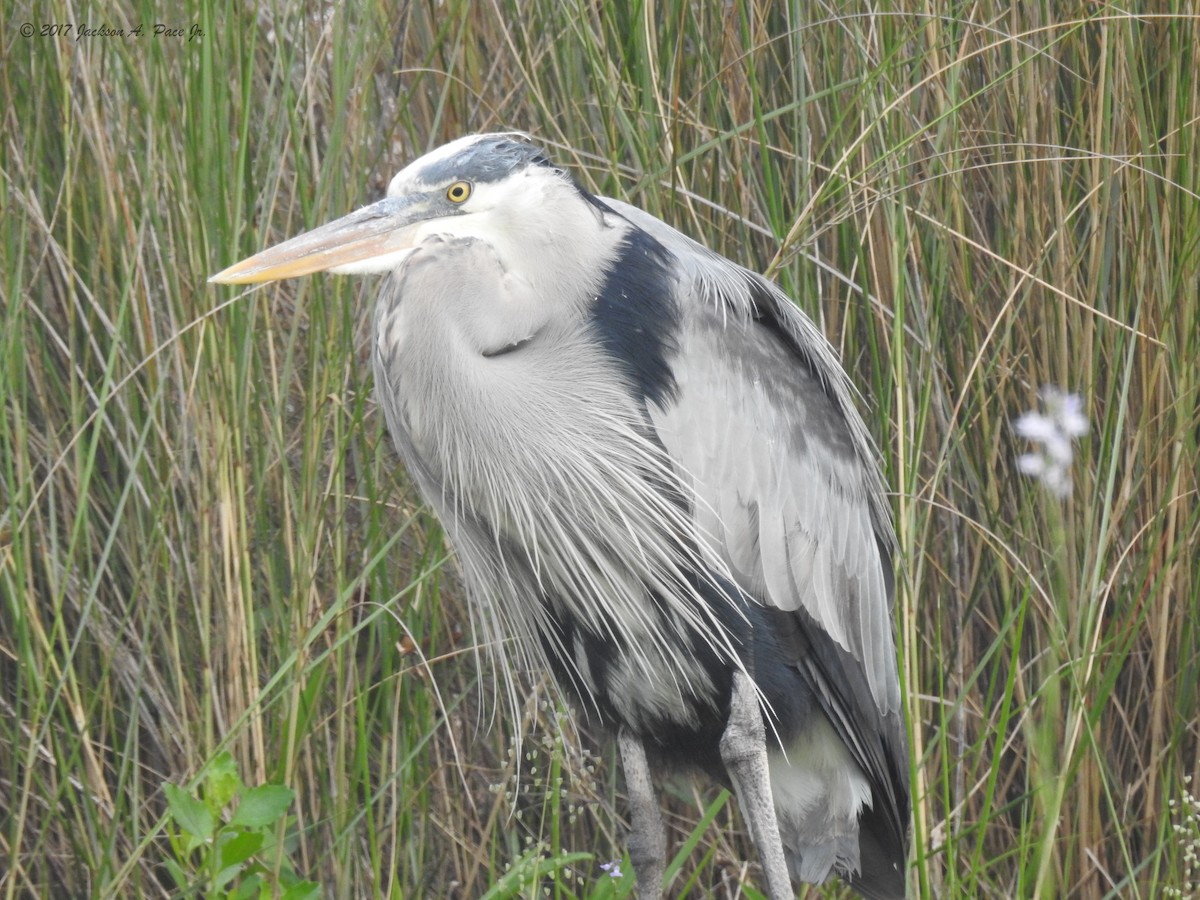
{"x": 612, "y": 869}
{"x": 1054, "y": 432}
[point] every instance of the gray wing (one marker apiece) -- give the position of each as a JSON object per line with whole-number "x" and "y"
{"x": 782, "y": 467}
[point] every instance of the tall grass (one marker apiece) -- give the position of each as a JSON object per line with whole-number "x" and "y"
{"x": 207, "y": 544}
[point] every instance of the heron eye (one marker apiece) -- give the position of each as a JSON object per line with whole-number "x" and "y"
{"x": 458, "y": 192}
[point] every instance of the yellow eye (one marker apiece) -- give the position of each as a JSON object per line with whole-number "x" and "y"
{"x": 458, "y": 192}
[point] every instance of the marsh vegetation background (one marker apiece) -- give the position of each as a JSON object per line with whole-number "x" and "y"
{"x": 207, "y": 546}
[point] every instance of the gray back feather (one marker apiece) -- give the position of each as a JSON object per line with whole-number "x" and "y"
{"x": 782, "y": 465}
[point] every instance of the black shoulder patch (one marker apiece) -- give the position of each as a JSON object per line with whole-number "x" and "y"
{"x": 636, "y": 315}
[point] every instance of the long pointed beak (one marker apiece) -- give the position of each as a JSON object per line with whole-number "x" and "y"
{"x": 372, "y": 239}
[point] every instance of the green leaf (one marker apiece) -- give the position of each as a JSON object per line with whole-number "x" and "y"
{"x": 189, "y": 814}
{"x": 304, "y": 890}
{"x": 238, "y": 848}
{"x": 249, "y": 887}
{"x": 194, "y": 842}
{"x": 226, "y": 875}
{"x": 262, "y": 805}
{"x": 221, "y": 782}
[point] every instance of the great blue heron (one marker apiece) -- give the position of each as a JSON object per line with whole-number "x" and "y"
{"x": 651, "y": 467}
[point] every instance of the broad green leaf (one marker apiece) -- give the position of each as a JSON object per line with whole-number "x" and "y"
{"x": 189, "y": 814}
{"x": 304, "y": 890}
{"x": 262, "y": 805}
{"x": 238, "y": 848}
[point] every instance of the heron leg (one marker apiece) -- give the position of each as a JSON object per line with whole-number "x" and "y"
{"x": 647, "y": 837}
{"x": 744, "y": 752}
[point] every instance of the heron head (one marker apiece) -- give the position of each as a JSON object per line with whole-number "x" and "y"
{"x": 500, "y": 188}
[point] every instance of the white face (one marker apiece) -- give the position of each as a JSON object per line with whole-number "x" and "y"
{"x": 486, "y": 187}
{"x": 440, "y": 193}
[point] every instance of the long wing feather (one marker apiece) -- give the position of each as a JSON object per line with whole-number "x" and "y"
{"x": 765, "y": 425}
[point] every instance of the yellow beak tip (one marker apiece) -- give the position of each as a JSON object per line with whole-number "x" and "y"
{"x": 242, "y": 273}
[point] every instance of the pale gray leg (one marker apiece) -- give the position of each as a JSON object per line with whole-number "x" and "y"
{"x": 647, "y": 837}
{"x": 744, "y": 752}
